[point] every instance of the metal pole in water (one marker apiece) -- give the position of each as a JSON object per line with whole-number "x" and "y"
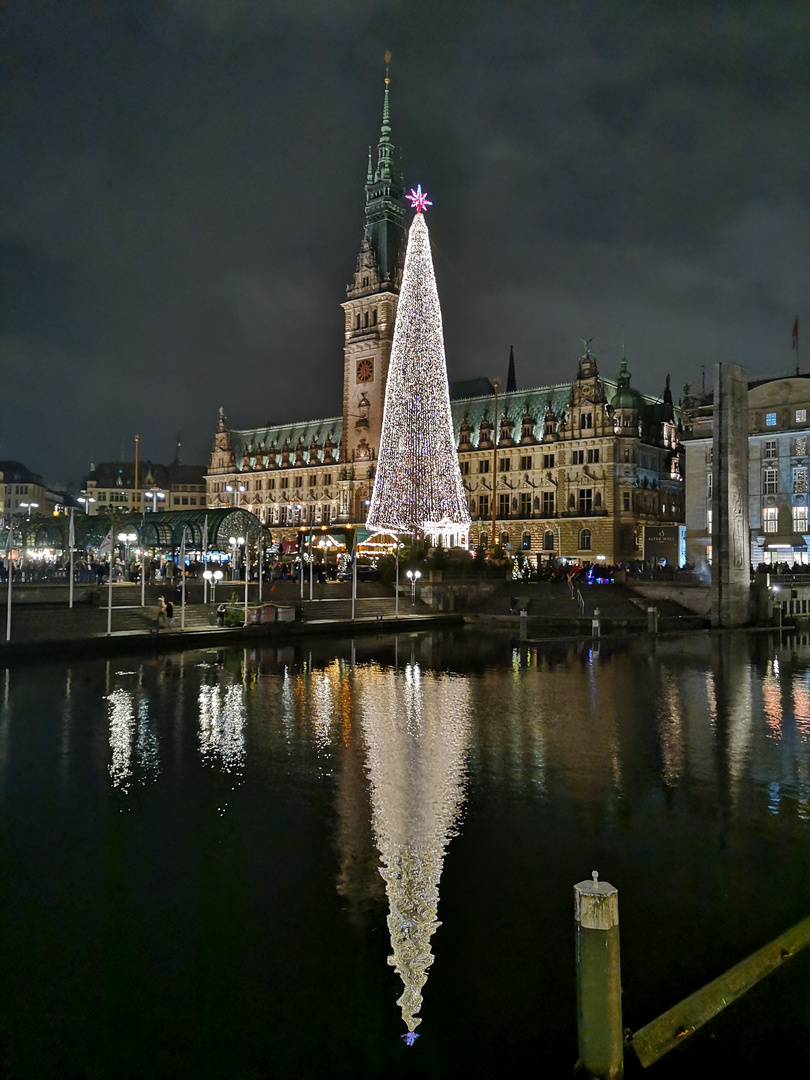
{"x": 599, "y": 1002}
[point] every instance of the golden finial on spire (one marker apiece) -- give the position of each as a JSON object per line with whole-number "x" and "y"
{"x": 387, "y": 59}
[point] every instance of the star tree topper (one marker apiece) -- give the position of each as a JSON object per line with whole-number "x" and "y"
{"x": 418, "y": 199}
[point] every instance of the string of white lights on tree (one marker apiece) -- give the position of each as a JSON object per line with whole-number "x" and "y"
{"x": 418, "y": 486}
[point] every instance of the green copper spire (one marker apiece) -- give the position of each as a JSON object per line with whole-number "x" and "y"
{"x": 385, "y": 197}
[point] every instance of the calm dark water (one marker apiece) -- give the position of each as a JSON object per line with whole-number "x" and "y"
{"x": 273, "y": 863}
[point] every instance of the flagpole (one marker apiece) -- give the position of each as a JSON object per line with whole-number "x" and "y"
{"x": 247, "y": 572}
{"x": 205, "y": 559}
{"x": 183, "y": 580}
{"x": 109, "y": 594}
{"x": 10, "y": 572}
{"x": 259, "y": 558}
{"x": 72, "y": 544}
{"x": 796, "y": 341}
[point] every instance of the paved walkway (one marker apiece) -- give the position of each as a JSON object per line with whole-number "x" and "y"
{"x": 38, "y": 628}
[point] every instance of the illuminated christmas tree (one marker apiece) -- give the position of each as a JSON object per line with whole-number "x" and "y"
{"x": 418, "y": 486}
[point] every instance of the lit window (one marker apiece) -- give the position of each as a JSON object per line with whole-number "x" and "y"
{"x": 801, "y": 446}
{"x": 800, "y": 480}
{"x": 770, "y": 519}
{"x": 801, "y": 416}
{"x": 800, "y": 519}
{"x": 770, "y": 419}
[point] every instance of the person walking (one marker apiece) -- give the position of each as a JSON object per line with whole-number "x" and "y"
{"x": 161, "y": 620}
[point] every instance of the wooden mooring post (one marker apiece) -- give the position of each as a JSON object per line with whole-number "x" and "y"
{"x": 599, "y": 1000}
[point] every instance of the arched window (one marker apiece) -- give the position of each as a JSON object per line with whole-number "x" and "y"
{"x": 504, "y": 538}
{"x": 483, "y": 541}
{"x": 365, "y": 319}
{"x": 357, "y": 321}
{"x": 526, "y": 541}
{"x": 374, "y": 318}
{"x": 548, "y": 540}
{"x": 585, "y": 540}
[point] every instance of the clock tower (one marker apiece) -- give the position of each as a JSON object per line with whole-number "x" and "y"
{"x": 369, "y": 314}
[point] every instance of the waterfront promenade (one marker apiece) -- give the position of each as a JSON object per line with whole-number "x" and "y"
{"x": 43, "y": 623}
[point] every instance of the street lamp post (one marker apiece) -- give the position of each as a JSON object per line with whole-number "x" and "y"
{"x": 86, "y": 503}
{"x": 233, "y": 489}
{"x": 413, "y": 576}
{"x": 213, "y": 577}
{"x": 155, "y": 496}
{"x": 126, "y": 539}
{"x": 29, "y": 506}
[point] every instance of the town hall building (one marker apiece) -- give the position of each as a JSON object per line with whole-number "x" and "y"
{"x": 577, "y": 469}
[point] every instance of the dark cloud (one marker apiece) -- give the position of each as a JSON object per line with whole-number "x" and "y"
{"x": 183, "y": 199}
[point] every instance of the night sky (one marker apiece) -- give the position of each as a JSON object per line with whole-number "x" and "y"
{"x": 182, "y": 202}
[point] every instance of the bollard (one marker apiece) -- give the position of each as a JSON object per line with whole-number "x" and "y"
{"x": 652, "y": 620}
{"x": 595, "y": 630}
{"x": 599, "y": 1004}
{"x": 524, "y": 625}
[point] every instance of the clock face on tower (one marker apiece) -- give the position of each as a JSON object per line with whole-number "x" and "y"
{"x": 365, "y": 370}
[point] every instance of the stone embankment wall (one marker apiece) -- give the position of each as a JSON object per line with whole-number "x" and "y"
{"x": 695, "y": 597}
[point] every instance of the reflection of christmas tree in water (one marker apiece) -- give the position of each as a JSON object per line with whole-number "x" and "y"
{"x": 417, "y": 732}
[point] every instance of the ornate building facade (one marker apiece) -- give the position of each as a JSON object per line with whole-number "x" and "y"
{"x": 575, "y": 469}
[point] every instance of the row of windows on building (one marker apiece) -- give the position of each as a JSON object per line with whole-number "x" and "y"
{"x": 366, "y": 319}
{"x": 584, "y": 542}
{"x": 799, "y": 417}
{"x": 770, "y": 519}
{"x": 120, "y": 498}
{"x": 586, "y": 501}
{"x": 269, "y": 483}
{"x": 770, "y": 481}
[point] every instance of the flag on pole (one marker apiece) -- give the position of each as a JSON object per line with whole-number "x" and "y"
{"x": 205, "y": 537}
{"x": 105, "y": 547}
{"x": 71, "y": 532}
{"x": 796, "y": 333}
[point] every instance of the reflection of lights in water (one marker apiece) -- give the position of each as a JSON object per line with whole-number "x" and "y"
{"x": 147, "y": 745}
{"x": 222, "y": 725}
{"x": 121, "y": 712}
{"x": 670, "y": 730}
{"x": 772, "y": 702}
{"x": 323, "y": 708}
{"x": 417, "y": 729}
{"x": 774, "y": 797}
{"x": 711, "y": 697}
{"x": 801, "y": 706}
{"x": 288, "y": 702}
